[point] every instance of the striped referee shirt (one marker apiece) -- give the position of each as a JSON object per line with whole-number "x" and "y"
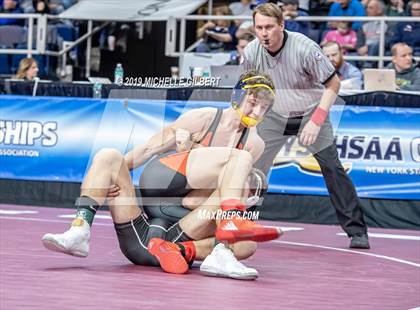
{"x": 299, "y": 71}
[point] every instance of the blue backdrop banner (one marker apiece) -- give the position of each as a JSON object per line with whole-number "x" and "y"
{"x": 55, "y": 138}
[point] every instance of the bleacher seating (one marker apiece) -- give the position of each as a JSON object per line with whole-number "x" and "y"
{"x": 16, "y": 37}
{"x": 12, "y": 35}
{"x": 4, "y": 64}
{"x": 67, "y": 32}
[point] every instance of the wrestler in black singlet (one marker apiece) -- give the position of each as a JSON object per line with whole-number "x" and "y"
{"x": 162, "y": 188}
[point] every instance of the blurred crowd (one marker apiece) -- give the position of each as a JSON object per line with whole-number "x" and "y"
{"x": 13, "y": 35}
{"x": 32, "y": 6}
{"x": 402, "y": 39}
{"x": 338, "y": 39}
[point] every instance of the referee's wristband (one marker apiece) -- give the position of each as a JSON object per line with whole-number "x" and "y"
{"x": 319, "y": 116}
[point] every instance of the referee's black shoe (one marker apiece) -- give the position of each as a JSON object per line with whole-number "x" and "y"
{"x": 359, "y": 241}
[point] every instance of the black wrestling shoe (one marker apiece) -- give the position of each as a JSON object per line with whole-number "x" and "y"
{"x": 359, "y": 241}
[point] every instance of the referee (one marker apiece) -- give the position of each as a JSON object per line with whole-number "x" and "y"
{"x": 307, "y": 87}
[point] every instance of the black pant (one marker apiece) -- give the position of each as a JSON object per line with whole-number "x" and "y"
{"x": 275, "y": 130}
{"x": 134, "y": 237}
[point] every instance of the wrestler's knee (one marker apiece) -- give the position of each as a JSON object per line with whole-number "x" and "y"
{"x": 242, "y": 158}
{"x": 109, "y": 157}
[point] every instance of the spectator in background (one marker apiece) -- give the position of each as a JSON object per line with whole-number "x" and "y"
{"x": 41, "y": 6}
{"x": 116, "y": 36}
{"x": 395, "y": 8}
{"x": 243, "y": 41}
{"x": 47, "y": 6}
{"x": 344, "y": 36}
{"x": 12, "y": 7}
{"x": 59, "y": 6}
{"x": 248, "y": 26}
{"x": 218, "y": 35}
{"x": 350, "y": 76}
{"x": 304, "y": 5}
{"x": 26, "y": 6}
{"x": 28, "y": 69}
{"x": 242, "y": 7}
{"x": 290, "y": 12}
{"x": 368, "y": 36}
{"x": 55, "y": 6}
{"x": 68, "y": 3}
{"x": 409, "y": 32}
{"x": 407, "y": 73}
{"x": 347, "y": 8}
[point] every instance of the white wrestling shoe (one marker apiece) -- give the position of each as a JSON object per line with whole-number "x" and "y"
{"x": 74, "y": 241}
{"x": 222, "y": 263}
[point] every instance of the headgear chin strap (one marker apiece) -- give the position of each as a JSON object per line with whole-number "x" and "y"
{"x": 239, "y": 93}
{"x": 257, "y": 183}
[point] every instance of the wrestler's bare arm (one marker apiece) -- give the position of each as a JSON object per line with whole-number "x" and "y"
{"x": 255, "y": 145}
{"x": 195, "y": 121}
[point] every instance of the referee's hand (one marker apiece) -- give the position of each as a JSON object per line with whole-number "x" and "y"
{"x": 309, "y": 133}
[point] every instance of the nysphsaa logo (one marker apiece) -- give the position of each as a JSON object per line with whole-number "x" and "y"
{"x": 350, "y": 148}
{"x": 292, "y": 153}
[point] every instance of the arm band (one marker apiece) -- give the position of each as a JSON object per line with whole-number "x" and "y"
{"x": 319, "y": 116}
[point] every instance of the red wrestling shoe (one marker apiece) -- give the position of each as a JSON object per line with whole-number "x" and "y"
{"x": 237, "y": 228}
{"x": 169, "y": 256}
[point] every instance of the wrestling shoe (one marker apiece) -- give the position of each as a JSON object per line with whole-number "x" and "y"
{"x": 74, "y": 241}
{"x": 221, "y": 262}
{"x": 237, "y": 228}
{"x": 169, "y": 256}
